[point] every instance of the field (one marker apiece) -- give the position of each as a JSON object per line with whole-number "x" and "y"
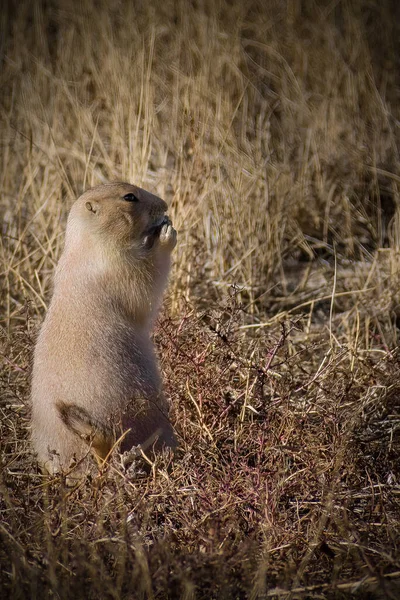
{"x": 271, "y": 128}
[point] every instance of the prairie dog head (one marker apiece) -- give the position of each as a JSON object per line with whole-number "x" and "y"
{"x": 120, "y": 214}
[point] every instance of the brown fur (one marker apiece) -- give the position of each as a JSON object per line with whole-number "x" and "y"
{"x": 95, "y": 374}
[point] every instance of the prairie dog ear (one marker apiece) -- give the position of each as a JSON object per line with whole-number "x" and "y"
{"x": 92, "y": 207}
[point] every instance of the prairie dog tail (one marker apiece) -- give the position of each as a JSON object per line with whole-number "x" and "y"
{"x": 80, "y": 422}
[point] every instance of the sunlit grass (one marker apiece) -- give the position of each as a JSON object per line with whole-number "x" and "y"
{"x": 271, "y": 129}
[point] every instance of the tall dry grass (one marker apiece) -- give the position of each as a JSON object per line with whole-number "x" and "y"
{"x": 271, "y": 128}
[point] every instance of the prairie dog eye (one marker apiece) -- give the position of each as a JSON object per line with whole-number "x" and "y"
{"x": 131, "y": 198}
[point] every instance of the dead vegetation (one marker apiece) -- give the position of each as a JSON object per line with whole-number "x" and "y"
{"x": 272, "y": 131}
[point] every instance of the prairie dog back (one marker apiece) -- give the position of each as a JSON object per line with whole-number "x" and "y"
{"x": 95, "y": 373}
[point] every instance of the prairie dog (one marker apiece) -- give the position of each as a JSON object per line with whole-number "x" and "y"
{"x": 95, "y": 373}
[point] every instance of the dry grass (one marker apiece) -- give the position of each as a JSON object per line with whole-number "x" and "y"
{"x": 272, "y": 130}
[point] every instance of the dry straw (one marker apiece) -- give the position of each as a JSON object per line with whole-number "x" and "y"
{"x": 271, "y": 128}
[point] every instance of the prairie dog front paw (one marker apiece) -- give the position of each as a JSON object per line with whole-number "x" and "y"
{"x": 168, "y": 235}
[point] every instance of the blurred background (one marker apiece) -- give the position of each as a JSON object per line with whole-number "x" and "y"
{"x": 271, "y": 129}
